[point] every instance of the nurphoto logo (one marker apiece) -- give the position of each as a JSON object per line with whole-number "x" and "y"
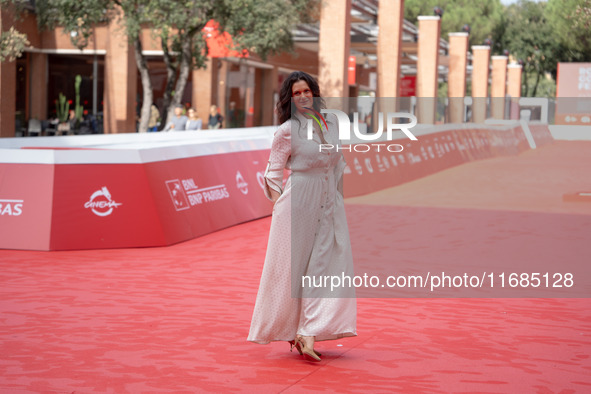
{"x": 345, "y": 126}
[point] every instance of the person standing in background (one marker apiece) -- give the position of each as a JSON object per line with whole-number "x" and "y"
{"x": 154, "y": 117}
{"x": 194, "y": 122}
{"x": 178, "y": 121}
{"x": 215, "y": 119}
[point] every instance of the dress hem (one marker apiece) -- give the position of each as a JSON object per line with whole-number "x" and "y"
{"x": 319, "y": 338}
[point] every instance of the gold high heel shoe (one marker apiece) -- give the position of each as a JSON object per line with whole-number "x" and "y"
{"x": 297, "y": 346}
{"x": 305, "y": 350}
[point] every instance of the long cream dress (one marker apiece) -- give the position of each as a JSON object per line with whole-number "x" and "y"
{"x": 308, "y": 236}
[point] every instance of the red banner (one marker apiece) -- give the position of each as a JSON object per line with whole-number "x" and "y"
{"x": 220, "y": 44}
{"x": 351, "y": 70}
{"x": 408, "y": 86}
{"x": 25, "y": 205}
{"x": 93, "y": 204}
{"x": 370, "y": 170}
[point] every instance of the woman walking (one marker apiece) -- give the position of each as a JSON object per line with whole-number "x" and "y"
{"x": 309, "y": 238}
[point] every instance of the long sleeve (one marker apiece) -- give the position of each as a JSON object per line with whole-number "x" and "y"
{"x": 339, "y": 172}
{"x": 280, "y": 153}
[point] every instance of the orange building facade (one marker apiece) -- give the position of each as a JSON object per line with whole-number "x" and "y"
{"x": 244, "y": 89}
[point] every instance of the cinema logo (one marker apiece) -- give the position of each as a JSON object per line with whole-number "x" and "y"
{"x": 345, "y": 126}
{"x": 101, "y": 203}
{"x": 10, "y": 207}
{"x": 241, "y": 183}
{"x": 185, "y": 193}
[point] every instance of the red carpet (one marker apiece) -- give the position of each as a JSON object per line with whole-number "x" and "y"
{"x": 175, "y": 319}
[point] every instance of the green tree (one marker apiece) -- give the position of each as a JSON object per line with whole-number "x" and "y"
{"x": 261, "y": 26}
{"x": 12, "y": 42}
{"x": 570, "y": 21}
{"x": 77, "y": 18}
{"x": 529, "y": 38}
{"x": 483, "y": 16}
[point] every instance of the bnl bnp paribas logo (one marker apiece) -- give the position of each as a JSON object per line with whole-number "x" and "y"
{"x": 345, "y": 126}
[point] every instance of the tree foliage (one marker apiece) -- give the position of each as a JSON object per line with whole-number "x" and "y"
{"x": 571, "y": 25}
{"x": 12, "y": 41}
{"x": 260, "y": 26}
{"x": 483, "y": 16}
{"x": 529, "y": 38}
{"x": 539, "y": 33}
{"x": 12, "y": 44}
{"x": 76, "y": 17}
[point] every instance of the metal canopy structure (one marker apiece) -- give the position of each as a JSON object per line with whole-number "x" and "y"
{"x": 364, "y": 37}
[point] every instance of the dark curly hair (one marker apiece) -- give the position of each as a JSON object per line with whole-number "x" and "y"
{"x": 284, "y": 108}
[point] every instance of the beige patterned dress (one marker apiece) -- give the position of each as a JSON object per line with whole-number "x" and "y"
{"x": 308, "y": 237}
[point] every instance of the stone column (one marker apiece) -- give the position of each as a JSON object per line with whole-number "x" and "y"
{"x": 333, "y": 47}
{"x": 390, "y": 21}
{"x": 456, "y": 79}
{"x": 7, "y": 85}
{"x": 221, "y": 91}
{"x": 204, "y": 81}
{"x": 480, "y": 65}
{"x": 7, "y": 99}
{"x": 514, "y": 87}
{"x": 427, "y": 64}
{"x": 498, "y": 87}
{"x": 39, "y": 83}
{"x": 120, "y": 94}
{"x": 270, "y": 88}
